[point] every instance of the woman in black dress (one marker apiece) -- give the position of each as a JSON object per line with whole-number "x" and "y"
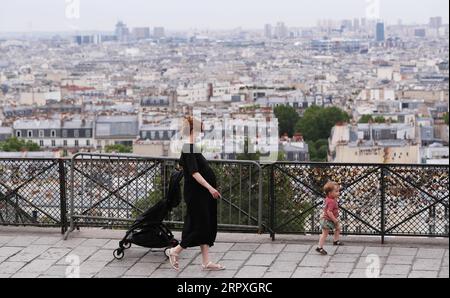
{"x": 200, "y": 195}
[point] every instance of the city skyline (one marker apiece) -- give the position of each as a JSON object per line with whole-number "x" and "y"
{"x": 100, "y": 15}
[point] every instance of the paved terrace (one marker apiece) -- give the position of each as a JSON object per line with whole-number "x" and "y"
{"x": 38, "y": 252}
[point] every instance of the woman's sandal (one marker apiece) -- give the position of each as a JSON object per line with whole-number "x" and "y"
{"x": 213, "y": 267}
{"x": 321, "y": 251}
{"x": 173, "y": 259}
{"x": 338, "y": 243}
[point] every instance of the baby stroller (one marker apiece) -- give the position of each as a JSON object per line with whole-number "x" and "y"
{"x": 148, "y": 229}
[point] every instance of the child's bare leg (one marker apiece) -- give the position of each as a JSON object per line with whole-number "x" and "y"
{"x": 323, "y": 237}
{"x": 337, "y": 234}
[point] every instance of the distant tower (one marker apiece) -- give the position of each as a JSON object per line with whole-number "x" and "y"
{"x": 380, "y": 32}
{"x": 122, "y": 32}
{"x": 268, "y": 31}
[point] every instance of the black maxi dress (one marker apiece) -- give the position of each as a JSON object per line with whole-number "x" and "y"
{"x": 200, "y": 223}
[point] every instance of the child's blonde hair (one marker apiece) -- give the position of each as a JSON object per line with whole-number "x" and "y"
{"x": 329, "y": 187}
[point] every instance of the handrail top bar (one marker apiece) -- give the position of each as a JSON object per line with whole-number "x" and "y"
{"x": 141, "y": 157}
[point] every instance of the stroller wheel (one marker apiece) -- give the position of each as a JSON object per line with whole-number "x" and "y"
{"x": 127, "y": 245}
{"x": 166, "y": 252}
{"x": 118, "y": 254}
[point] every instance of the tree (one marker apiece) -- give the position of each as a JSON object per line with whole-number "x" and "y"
{"x": 16, "y": 145}
{"x": 446, "y": 118}
{"x": 287, "y": 118}
{"x": 118, "y": 148}
{"x": 317, "y": 122}
{"x": 365, "y": 119}
{"x": 380, "y": 119}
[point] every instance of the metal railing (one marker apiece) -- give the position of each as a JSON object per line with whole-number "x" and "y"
{"x": 98, "y": 190}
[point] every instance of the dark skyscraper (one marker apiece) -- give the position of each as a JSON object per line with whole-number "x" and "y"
{"x": 380, "y": 32}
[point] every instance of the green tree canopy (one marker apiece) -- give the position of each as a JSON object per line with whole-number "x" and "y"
{"x": 287, "y": 118}
{"x": 317, "y": 122}
{"x": 16, "y": 145}
{"x": 118, "y": 148}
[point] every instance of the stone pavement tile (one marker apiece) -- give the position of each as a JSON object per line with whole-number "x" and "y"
{"x": 4, "y": 275}
{"x": 315, "y": 261}
{"x": 3, "y": 258}
{"x": 192, "y": 271}
{"x": 366, "y": 261}
{"x": 84, "y": 250}
{"x": 294, "y": 257}
{"x": 55, "y": 253}
{"x": 335, "y": 275}
{"x": 190, "y": 253}
{"x": 444, "y": 272}
{"x": 378, "y": 251}
{"x": 26, "y": 275}
{"x": 49, "y": 276}
{"x": 111, "y": 272}
{"x": 282, "y": 266}
{"x": 164, "y": 273}
{"x": 237, "y": 255}
{"x": 227, "y": 273}
{"x": 307, "y": 272}
{"x": 7, "y": 251}
{"x": 70, "y": 243}
{"x": 29, "y": 253}
{"x": 232, "y": 264}
{"x": 89, "y": 268}
{"x": 445, "y": 262}
{"x": 125, "y": 262}
{"x": 112, "y": 244}
{"x": 221, "y": 247}
{"x": 102, "y": 255}
{"x": 261, "y": 259}
{"x": 11, "y": 267}
{"x": 251, "y": 272}
{"x": 404, "y": 251}
{"x": 339, "y": 267}
{"x": 423, "y": 274}
{"x": 47, "y": 240}
{"x": 359, "y": 273}
{"x": 142, "y": 269}
{"x": 5, "y": 239}
{"x": 430, "y": 253}
{"x": 153, "y": 257}
{"x": 402, "y": 260}
{"x": 245, "y": 246}
{"x": 213, "y": 257}
{"x": 94, "y": 242}
{"x": 38, "y": 266}
{"x": 393, "y": 276}
{"x": 297, "y": 248}
{"x": 57, "y": 270}
{"x": 345, "y": 258}
{"x": 23, "y": 241}
{"x": 278, "y": 274}
{"x": 270, "y": 248}
{"x": 396, "y": 269}
{"x": 71, "y": 258}
{"x": 349, "y": 250}
{"x": 131, "y": 276}
{"x": 427, "y": 264}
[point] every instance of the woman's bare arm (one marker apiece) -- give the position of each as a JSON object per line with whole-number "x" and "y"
{"x": 199, "y": 178}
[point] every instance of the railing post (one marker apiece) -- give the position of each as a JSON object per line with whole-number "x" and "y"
{"x": 272, "y": 202}
{"x": 383, "y": 201}
{"x": 260, "y": 200}
{"x": 62, "y": 195}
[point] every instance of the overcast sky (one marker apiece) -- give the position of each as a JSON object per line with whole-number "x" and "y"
{"x": 51, "y": 15}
